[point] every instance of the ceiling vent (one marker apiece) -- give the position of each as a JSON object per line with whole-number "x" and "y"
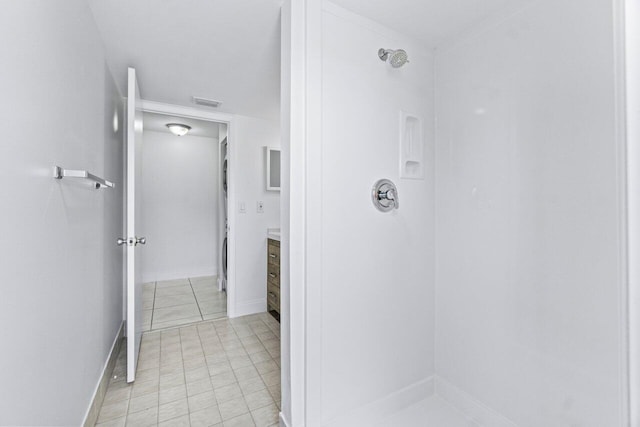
{"x": 206, "y": 102}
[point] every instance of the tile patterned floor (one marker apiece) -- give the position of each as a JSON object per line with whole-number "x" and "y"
{"x": 180, "y": 302}
{"x": 220, "y": 373}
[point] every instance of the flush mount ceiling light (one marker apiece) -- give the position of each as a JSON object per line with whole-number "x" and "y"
{"x": 178, "y": 129}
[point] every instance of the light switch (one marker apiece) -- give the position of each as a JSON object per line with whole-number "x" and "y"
{"x": 260, "y": 207}
{"x": 242, "y": 207}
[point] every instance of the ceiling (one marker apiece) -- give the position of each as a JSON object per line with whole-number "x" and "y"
{"x": 431, "y": 22}
{"x": 158, "y": 123}
{"x": 229, "y": 50}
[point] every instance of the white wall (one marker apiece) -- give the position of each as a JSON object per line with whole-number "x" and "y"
{"x": 376, "y": 269}
{"x": 180, "y": 206}
{"x": 60, "y": 268}
{"x": 249, "y": 136}
{"x": 529, "y": 282}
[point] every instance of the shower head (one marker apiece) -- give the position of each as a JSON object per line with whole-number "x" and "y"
{"x": 397, "y": 58}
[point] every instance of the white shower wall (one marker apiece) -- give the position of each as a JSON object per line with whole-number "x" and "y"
{"x": 377, "y": 268}
{"x": 529, "y": 285}
{"x": 500, "y": 278}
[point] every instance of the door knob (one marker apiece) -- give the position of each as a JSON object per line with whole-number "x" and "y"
{"x": 141, "y": 240}
{"x": 121, "y": 241}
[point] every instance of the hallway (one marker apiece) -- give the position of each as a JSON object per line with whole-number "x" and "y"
{"x": 220, "y": 373}
{"x": 178, "y": 302}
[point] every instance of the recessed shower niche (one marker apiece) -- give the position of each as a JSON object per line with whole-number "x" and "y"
{"x": 411, "y": 147}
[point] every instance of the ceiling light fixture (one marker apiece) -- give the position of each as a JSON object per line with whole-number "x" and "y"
{"x": 178, "y": 129}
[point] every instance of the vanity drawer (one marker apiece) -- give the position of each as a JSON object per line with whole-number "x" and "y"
{"x": 273, "y": 252}
{"x": 273, "y": 297}
{"x": 273, "y": 274}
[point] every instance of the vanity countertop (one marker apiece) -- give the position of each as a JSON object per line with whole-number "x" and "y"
{"x": 273, "y": 233}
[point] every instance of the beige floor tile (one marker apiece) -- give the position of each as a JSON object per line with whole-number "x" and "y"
{"x": 233, "y": 408}
{"x": 260, "y": 357}
{"x": 141, "y": 403}
{"x": 258, "y": 399}
{"x": 198, "y": 373}
{"x": 179, "y": 366}
{"x": 200, "y": 279}
{"x": 242, "y": 421}
{"x": 238, "y": 362}
{"x": 194, "y": 363}
{"x": 144, "y": 387}
{"x": 199, "y": 387}
{"x": 214, "y": 316}
{"x": 171, "y": 394}
{"x": 173, "y": 300}
{"x": 150, "y": 374}
{"x": 172, "y": 323}
{"x": 228, "y": 392}
{"x": 176, "y": 312}
{"x": 266, "y": 366}
{"x": 236, "y": 353}
{"x": 251, "y": 385}
{"x": 172, "y": 380}
{"x": 222, "y": 380}
{"x": 172, "y": 368}
{"x": 145, "y": 418}
{"x": 173, "y": 409}
{"x": 266, "y": 416}
{"x": 201, "y": 401}
{"x": 112, "y": 411}
{"x": 118, "y": 422}
{"x": 205, "y": 417}
{"x": 170, "y": 283}
{"x": 175, "y": 291}
{"x": 181, "y": 421}
{"x": 117, "y": 395}
{"x": 254, "y": 348}
{"x": 147, "y": 301}
{"x": 246, "y": 372}
{"x": 271, "y": 378}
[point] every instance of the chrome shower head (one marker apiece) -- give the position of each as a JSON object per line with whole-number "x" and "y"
{"x": 397, "y": 58}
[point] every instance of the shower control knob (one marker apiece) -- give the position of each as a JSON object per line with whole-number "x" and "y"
{"x": 121, "y": 241}
{"x": 385, "y": 195}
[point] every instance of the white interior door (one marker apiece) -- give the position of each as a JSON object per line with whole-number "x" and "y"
{"x": 134, "y": 182}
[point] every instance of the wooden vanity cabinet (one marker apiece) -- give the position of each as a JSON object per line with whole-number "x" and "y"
{"x": 273, "y": 278}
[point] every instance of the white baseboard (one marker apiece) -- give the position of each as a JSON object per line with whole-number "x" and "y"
{"x": 246, "y": 308}
{"x": 283, "y": 420}
{"x": 169, "y": 275}
{"x": 471, "y": 407}
{"x": 373, "y": 412}
{"x": 91, "y": 416}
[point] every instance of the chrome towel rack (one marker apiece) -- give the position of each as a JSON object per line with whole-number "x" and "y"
{"x": 98, "y": 182}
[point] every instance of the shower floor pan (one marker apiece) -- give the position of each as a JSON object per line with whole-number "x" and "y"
{"x": 431, "y": 412}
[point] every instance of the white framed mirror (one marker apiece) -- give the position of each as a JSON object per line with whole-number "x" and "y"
{"x": 273, "y": 168}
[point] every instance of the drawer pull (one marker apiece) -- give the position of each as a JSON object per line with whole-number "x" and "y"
{"x": 272, "y": 255}
{"x": 272, "y": 275}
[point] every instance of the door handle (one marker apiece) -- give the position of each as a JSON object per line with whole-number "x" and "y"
{"x": 131, "y": 242}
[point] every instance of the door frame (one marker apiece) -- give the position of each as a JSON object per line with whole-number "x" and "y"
{"x": 628, "y": 43}
{"x": 227, "y": 119}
